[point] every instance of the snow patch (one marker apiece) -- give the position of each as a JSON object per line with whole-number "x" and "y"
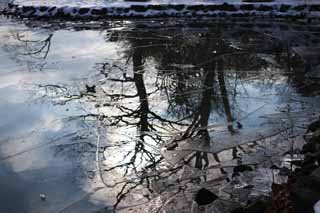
{"x": 316, "y": 207}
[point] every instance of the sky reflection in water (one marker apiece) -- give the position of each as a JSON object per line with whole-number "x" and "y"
{"x": 152, "y": 87}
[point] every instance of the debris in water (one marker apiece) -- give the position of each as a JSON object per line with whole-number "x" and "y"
{"x": 239, "y": 125}
{"x": 43, "y": 197}
{"x": 91, "y": 174}
{"x": 91, "y": 89}
{"x": 205, "y": 197}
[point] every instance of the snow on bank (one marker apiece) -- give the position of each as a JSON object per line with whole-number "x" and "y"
{"x": 106, "y": 3}
{"x": 163, "y": 8}
{"x": 316, "y": 207}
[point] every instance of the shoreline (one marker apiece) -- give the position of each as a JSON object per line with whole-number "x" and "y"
{"x": 152, "y": 10}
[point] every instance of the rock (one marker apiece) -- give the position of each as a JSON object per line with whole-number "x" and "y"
{"x": 239, "y": 169}
{"x": 239, "y": 125}
{"x": 314, "y": 72}
{"x": 314, "y": 126}
{"x": 308, "y": 148}
{"x": 205, "y": 197}
{"x": 316, "y": 137}
{"x": 238, "y": 210}
{"x": 305, "y": 193}
{"x": 248, "y": 186}
{"x": 257, "y": 207}
{"x": 284, "y": 171}
{"x": 309, "y": 182}
{"x": 304, "y": 199}
{"x": 316, "y": 173}
{"x": 274, "y": 167}
{"x": 242, "y": 168}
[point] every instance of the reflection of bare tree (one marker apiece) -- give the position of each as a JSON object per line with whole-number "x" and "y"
{"x": 141, "y": 117}
{"x": 192, "y": 89}
{"x": 192, "y": 78}
{"x": 204, "y": 114}
{"x": 224, "y": 94}
{"x": 36, "y": 48}
{"x": 141, "y": 89}
{"x": 29, "y": 52}
{"x": 179, "y": 93}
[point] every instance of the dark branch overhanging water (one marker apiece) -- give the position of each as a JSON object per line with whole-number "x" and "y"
{"x": 151, "y": 115}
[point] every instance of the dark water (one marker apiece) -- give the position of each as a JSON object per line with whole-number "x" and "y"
{"x": 123, "y": 113}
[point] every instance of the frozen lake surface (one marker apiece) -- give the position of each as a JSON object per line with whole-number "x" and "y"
{"x": 91, "y": 112}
